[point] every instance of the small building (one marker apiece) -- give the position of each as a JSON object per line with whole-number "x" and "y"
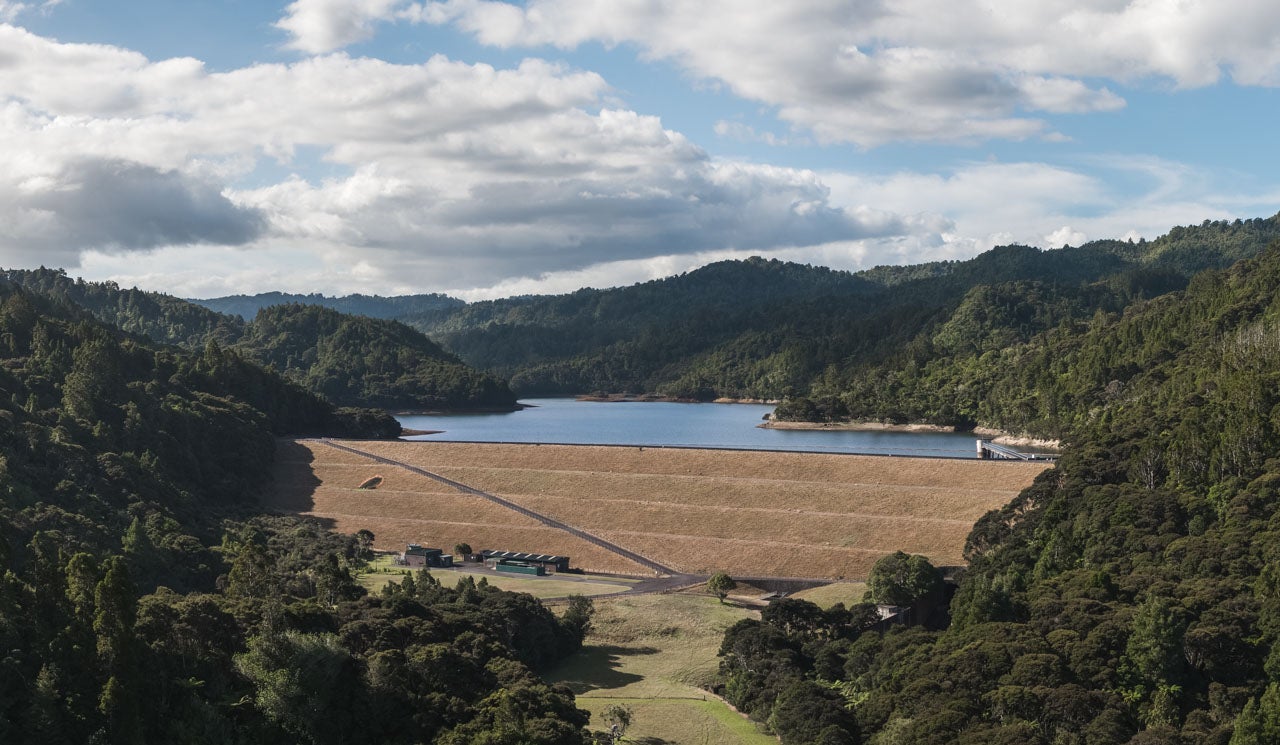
{"x": 421, "y": 556}
{"x": 517, "y": 567}
{"x": 547, "y": 562}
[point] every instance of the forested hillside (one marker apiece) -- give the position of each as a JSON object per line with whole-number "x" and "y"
{"x": 768, "y": 329}
{"x": 142, "y": 601}
{"x": 351, "y": 360}
{"x": 630, "y": 339}
{"x": 755, "y": 328}
{"x": 840, "y": 345}
{"x": 162, "y": 318}
{"x": 1130, "y": 595}
{"x": 355, "y": 360}
{"x": 1019, "y": 356}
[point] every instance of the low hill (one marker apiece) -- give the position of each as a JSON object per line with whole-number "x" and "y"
{"x": 355, "y": 360}
{"x": 351, "y": 360}
{"x": 752, "y": 329}
{"x": 633, "y": 339}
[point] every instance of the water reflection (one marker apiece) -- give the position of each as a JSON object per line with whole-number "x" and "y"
{"x": 568, "y": 421}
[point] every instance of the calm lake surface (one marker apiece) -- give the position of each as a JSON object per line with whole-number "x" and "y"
{"x": 568, "y": 421}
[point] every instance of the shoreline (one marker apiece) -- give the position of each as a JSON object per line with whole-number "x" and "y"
{"x": 683, "y": 448}
{"x": 616, "y": 398}
{"x": 858, "y": 427}
{"x": 455, "y": 412}
{"x": 998, "y": 436}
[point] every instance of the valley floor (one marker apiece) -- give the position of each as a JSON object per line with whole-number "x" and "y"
{"x": 654, "y": 654}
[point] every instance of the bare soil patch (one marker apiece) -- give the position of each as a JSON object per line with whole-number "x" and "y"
{"x": 700, "y": 511}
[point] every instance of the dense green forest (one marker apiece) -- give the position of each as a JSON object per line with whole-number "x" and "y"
{"x": 350, "y": 360}
{"x": 771, "y": 330}
{"x": 142, "y": 599}
{"x": 370, "y": 362}
{"x": 1018, "y": 355}
{"x": 1131, "y": 595}
{"x": 886, "y": 344}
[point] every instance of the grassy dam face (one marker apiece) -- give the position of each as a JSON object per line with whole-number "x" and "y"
{"x": 698, "y": 511}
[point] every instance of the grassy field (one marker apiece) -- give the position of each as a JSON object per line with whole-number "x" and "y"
{"x": 849, "y": 593}
{"x": 383, "y": 571}
{"x": 654, "y": 653}
{"x": 700, "y": 511}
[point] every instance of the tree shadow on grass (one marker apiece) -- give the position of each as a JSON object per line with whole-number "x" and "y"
{"x": 597, "y": 667}
{"x": 648, "y": 741}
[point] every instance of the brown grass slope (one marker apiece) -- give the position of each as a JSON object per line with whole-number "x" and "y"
{"x": 748, "y": 513}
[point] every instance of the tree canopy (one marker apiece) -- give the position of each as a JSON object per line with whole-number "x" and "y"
{"x": 899, "y": 579}
{"x": 1128, "y": 595}
{"x": 852, "y": 344}
{"x": 352, "y": 361}
{"x": 143, "y": 599}
{"x": 721, "y": 584}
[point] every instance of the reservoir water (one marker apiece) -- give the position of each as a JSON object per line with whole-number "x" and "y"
{"x": 568, "y": 421}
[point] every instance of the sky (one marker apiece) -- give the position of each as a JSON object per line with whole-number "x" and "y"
{"x": 485, "y": 148}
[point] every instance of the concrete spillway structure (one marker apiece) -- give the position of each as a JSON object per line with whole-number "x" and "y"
{"x": 988, "y": 449}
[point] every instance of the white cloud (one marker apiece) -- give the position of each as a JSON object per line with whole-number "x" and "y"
{"x": 868, "y": 71}
{"x": 444, "y": 169}
{"x": 465, "y": 176}
{"x": 125, "y": 206}
{"x": 519, "y": 227}
{"x": 920, "y": 217}
{"x": 1064, "y": 236}
{"x": 318, "y": 26}
{"x": 968, "y": 210}
{"x": 1038, "y": 204}
{"x": 10, "y": 11}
